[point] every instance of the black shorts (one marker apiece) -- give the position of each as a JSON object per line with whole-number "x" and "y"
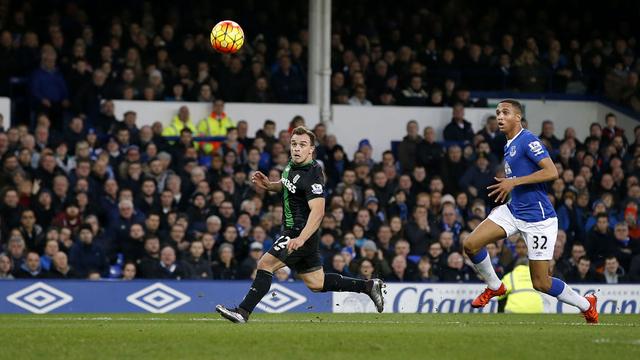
{"x": 304, "y": 260}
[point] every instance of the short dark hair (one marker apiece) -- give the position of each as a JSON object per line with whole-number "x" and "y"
{"x": 301, "y": 130}
{"x": 514, "y": 103}
{"x": 584, "y": 258}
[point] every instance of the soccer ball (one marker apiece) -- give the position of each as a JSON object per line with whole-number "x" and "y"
{"x": 227, "y": 37}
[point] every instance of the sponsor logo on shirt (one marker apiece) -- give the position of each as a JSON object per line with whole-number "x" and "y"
{"x": 289, "y": 185}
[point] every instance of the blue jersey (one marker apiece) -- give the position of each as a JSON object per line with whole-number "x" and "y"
{"x": 521, "y": 157}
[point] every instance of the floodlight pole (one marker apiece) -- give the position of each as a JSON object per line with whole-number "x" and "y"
{"x": 319, "y": 77}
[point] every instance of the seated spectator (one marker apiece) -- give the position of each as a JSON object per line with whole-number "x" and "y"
{"x": 226, "y": 267}
{"x": 61, "y": 268}
{"x": 359, "y": 97}
{"x": 426, "y": 271}
{"x": 129, "y": 271}
{"x": 199, "y": 267}
{"x": 85, "y": 256}
{"x": 6, "y": 267}
{"x": 456, "y": 270}
{"x": 583, "y": 273}
{"x": 169, "y": 267}
{"x": 613, "y": 272}
{"x": 399, "y": 271}
{"x": 414, "y": 94}
{"x": 31, "y": 268}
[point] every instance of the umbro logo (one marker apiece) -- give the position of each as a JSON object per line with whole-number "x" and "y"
{"x": 280, "y": 299}
{"x": 158, "y": 298}
{"x": 39, "y": 298}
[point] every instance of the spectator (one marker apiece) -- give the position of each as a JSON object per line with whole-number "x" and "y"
{"x": 6, "y": 267}
{"x": 359, "y": 97}
{"x": 85, "y": 256}
{"x": 547, "y": 134}
{"x": 408, "y": 148}
{"x": 458, "y": 130}
{"x": 129, "y": 271}
{"x": 61, "y": 268}
{"x": 289, "y": 84}
{"x": 426, "y": 271}
{"x": 613, "y": 272}
{"x": 583, "y": 273}
{"x": 225, "y": 268}
{"x": 169, "y": 267}
{"x": 31, "y": 268}
{"x": 250, "y": 264}
{"x": 48, "y": 87}
{"x": 199, "y": 267}
{"x": 456, "y": 270}
{"x": 415, "y": 94}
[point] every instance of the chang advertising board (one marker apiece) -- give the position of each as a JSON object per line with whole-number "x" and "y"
{"x": 456, "y": 298}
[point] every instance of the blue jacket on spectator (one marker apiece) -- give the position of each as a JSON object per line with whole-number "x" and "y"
{"x": 48, "y": 85}
{"x": 85, "y": 258}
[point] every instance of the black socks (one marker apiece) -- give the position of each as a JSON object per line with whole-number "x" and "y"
{"x": 258, "y": 290}
{"x": 336, "y": 282}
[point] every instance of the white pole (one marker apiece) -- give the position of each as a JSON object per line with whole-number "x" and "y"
{"x": 325, "y": 107}
{"x": 315, "y": 39}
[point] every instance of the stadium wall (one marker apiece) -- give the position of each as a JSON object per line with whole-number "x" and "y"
{"x": 5, "y": 110}
{"x": 379, "y": 124}
{"x": 74, "y": 296}
{"x": 382, "y": 124}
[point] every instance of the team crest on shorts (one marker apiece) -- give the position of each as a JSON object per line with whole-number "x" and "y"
{"x": 512, "y": 151}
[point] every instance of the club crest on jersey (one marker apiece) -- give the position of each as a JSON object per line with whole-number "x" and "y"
{"x": 296, "y": 178}
{"x": 512, "y": 151}
{"x": 289, "y": 185}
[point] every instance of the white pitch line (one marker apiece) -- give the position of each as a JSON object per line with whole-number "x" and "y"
{"x": 321, "y": 320}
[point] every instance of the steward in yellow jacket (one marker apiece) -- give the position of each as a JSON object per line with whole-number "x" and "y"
{"x": 216, "y": 124}
{"x": 178, "y": 123}
{"x": 521, "y": 297}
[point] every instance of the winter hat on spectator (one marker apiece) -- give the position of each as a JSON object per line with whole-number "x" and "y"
{"x": 364, "y": 142}
{"x": 85, "y": 227}
{"x": 448, "y": 198}
{"x": 371, "y": 199}
{"x": 256, "y": 246}
{"x": 596, "y": 203}
{"x": 369, "y": 245}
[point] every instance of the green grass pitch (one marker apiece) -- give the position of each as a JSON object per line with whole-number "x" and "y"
{"x": 319, "y": 336}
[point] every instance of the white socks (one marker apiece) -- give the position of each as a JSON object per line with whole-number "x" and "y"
{"x": 573, "y": 298}
{"x": 485, "y": 268}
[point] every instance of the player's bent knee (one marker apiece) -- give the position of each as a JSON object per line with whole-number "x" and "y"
{"x": 266, "y": 265}
{"x": 542, "y": 285}
{"x": 470, "y": 248}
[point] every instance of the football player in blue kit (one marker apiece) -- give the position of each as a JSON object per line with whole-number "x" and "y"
{"x": 529, "y": 212}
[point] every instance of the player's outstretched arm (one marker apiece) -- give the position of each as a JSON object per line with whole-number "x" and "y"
{"x": 262, "y": 181}
{"x": 548, "y": 172}
{"x": 501, "y": 190}
{"x": 313, "y": 223}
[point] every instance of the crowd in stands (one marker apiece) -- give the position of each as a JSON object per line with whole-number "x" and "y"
{"x": 86, "y": 195}
{"x": 420, "y": 53}
{"x": 137, "y": 204}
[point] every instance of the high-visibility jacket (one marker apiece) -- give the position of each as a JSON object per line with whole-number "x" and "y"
{"x": 522, "y": 298}
{"x": 177, "y": 125}
{"x": 213, "y": 125}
